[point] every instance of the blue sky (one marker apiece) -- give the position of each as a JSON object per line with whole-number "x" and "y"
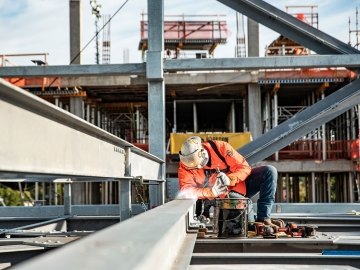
{"x": 42, "y": 26}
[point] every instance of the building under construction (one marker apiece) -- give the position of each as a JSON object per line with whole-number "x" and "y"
{"x": 296, "y": 109}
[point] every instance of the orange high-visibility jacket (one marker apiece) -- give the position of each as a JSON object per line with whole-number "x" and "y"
{"x": 194, "y": 180}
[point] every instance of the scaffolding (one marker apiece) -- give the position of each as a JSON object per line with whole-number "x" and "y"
{"x": 354, "y": 31}
{"x": 240, "y": 48}
{"x": 285, "y": 46}
{"x": 106, "y": 40}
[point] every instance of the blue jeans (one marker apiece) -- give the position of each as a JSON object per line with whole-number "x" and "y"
{"x": 261, "y": 180}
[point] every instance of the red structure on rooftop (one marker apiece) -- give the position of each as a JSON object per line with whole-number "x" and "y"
{"x": 185, "y": 33}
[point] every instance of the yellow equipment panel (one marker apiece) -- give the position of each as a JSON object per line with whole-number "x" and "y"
{"x": 236, "y": 140}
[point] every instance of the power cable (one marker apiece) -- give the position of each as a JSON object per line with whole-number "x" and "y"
{"x": 87, "y": 44}
{"x": 98, "y": 32}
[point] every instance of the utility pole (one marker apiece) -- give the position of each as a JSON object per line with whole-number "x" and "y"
{"x": 96, "y": 13}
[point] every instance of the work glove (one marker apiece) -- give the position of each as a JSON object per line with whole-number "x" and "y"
{"x": 219, "y": 188}
{"x": 224, "y": 179}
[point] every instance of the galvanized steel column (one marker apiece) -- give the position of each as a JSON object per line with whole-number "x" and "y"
{"x": 156, "y": 92}
{"x": 195, "y": 117}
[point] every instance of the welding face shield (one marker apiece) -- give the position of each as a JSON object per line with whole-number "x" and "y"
{"x": 192, "y": 153}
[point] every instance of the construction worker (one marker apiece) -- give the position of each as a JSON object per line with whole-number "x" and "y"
{"x": 214, "y": 169}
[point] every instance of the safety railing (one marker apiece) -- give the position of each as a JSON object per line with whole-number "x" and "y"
{"x": 313, "y": 149}
{"x": 209, "y": 28}
{"x": 24, "y": 58}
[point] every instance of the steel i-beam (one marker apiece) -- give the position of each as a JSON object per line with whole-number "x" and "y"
{"x": 290, "y": 26}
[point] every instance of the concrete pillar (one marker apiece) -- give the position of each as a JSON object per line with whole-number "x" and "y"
{"x": 99, "y": 114}
{"x": 351, "y": 187}
{"x": 245, "y": 127}
{"x": 77, "y": 189}
{"x": 104, "y": 121}
{"x": 275, "y": 119}
{"x": 36, "y": 191}
{"x": 77, "y": 106}
{"x": 56, "y": 101}
{"x": 75, "y": 31}
{"x": 267, "y": 112}
{"x": 313, "y": 191}
{"x": 254, "y": 107}
{"x": 92, "y": 114}
{"x": 94, "y": 187}
{"x": 67, "y": 198}
{"x": 88, "y": 113}
{"x": 175, "y": 121}
{"x": 287, "y": 187}
{"x": 254, "y": 93}
{"x": 253, "y": 38}
{"x": 232, "y": 117}
{"x": 54, "y": 185}
{"x": 323, "y": 135}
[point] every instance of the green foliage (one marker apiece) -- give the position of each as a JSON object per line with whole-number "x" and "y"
{"x": 11, "y": 197}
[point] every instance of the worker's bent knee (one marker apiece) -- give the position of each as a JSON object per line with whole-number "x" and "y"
{"x": 272, "y": 172}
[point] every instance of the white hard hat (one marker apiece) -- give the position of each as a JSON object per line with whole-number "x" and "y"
{"x": 192, "y": 153}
